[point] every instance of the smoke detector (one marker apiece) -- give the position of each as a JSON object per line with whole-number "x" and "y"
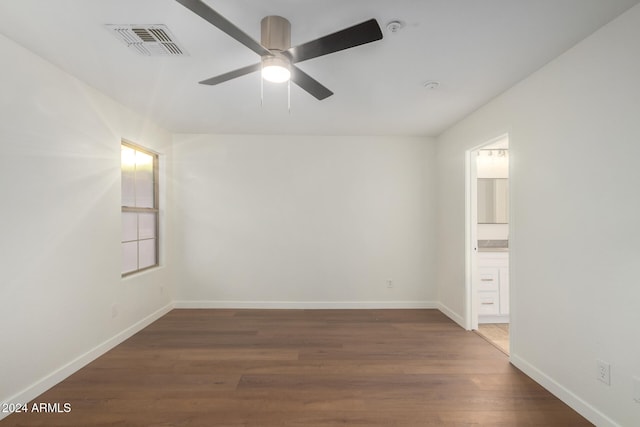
{"x": 431, "y": 85}
{"x": 149, "y": 40}
{"x": 394, "y": 26}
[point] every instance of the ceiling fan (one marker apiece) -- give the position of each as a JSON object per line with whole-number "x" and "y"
{"x": 278, "y": 57}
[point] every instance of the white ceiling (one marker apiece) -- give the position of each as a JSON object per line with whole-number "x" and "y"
{"x": 476, "y": 49}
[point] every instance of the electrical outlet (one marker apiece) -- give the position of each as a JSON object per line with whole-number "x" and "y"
{"x": 389, "y": 284}
{"x": 636, "y": 389}
{"x": 604, "y": 372}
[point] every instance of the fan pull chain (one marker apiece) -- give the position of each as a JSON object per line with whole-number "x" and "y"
{"x": 261, "y": 87}
{"x": 289, "y": 95}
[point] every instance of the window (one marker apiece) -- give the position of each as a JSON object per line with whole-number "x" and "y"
{"x": 139, "y": 209}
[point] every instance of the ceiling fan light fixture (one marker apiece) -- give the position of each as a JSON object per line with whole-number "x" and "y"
{"x": 275, "y": 69}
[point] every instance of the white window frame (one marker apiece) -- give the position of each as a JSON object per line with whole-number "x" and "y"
{"x": 153, "y": 210}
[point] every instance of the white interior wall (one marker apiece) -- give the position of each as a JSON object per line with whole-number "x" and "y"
{"x": 62, "y": 300}
{"x": 493, "y": 166}
{"x": 574, "y": 149}
{"x": 493, "y": 231}
{"x": 305, "y": 221}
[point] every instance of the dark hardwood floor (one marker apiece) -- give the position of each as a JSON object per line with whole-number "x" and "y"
{"x": 302, "y": 368}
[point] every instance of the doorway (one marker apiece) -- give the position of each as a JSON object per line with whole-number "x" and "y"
{"x": 488, "y": 241}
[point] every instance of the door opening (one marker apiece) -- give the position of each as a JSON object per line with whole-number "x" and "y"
{"x": 488, "y": 241}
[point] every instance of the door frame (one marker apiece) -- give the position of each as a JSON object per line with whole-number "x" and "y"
{"x": 471, "y": 229}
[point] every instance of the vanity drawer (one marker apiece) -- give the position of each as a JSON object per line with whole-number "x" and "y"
{"x": 489, "y": 303}
{"x": 488, "y": 279}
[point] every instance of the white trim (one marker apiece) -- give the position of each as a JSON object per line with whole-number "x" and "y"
{"x": 453, "y": 315}
{"x": 471, "y": 239}
{"x": 567, "y": 396}
{"x": 308, "y": 304}
{"x": 496, "y": 318}
{"x": 81, "y": 361}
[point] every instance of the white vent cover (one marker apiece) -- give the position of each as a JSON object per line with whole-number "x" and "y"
{"x": 150, "y": 40}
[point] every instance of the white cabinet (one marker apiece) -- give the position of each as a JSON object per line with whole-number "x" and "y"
{"x": 492, "y": 285}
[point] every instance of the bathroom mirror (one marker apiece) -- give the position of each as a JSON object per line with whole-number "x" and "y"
{"x": 493, "y": 201}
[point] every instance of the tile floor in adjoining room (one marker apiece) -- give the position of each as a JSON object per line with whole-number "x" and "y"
{"x": 496, "y": 333}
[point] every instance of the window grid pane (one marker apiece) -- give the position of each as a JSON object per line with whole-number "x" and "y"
{"x": 146, "y": 253}
{"x": 147, "y": 225}
{"x": 129, "y": 257}
{"x": 129, "y": 226}
{"x": 128, "y": 163}
{"x": 144, "y": 180}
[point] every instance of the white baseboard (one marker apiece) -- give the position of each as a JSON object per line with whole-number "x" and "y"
{"x": 81, "y": 361}
{"x": 504, "y": 318}
{"x": 319, "y": 305}
{"x": 452, "y": 315}
{"x": 562, "y": 393}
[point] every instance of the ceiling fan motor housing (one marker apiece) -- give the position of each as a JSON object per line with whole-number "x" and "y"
{"x": 275, "y": 33}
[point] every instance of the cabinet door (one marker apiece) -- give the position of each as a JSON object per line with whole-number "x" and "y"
{"x": 504, "y": 290}
{"x": 488, "y": 279}
{"x": 489, "y": 303}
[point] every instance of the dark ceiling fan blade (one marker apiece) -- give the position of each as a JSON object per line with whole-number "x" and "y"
{"x": 201, "y": 9}
{"x": 309, "y": 84}
{"x": 231, "y": 75}
{"x": 366, "y": 32}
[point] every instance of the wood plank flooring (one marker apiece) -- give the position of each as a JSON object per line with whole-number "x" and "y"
{"x": 399, "y": 368}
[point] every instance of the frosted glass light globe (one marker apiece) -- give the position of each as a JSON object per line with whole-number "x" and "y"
{"x": 275, "y": 70}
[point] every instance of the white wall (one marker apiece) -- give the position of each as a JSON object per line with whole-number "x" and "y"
{"x": 493, "y": 231}
{"x": 305, "y": 221}
{"x": 493, "y": 166}
{"x": 575, "y": 211}
{"x": 60, "y": 225}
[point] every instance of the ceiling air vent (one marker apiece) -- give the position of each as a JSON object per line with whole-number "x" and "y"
{"x": 149, "y": 40}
